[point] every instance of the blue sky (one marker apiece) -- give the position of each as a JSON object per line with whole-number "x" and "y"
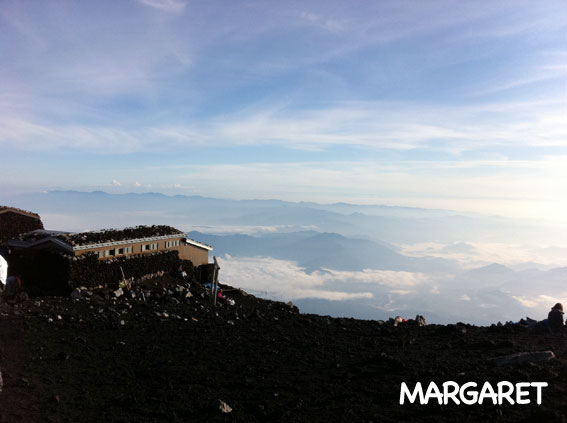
{"x": 452, "y": 104}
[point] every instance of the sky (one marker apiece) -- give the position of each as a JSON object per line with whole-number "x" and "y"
{"x": 440, "y": 104}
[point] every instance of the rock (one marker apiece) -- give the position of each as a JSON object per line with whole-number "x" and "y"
{"x": 76, "y": 294}
{"x": 224, "y": 407}
{"x": 118, "y": 293}
{"x": 523, "y": 357}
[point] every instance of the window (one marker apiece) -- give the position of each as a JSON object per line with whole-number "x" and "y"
{"x": 121, "y": 251}
{"x": 169, "y": 244}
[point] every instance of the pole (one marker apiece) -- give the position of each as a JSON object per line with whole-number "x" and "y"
{"x": 215, "y": 280}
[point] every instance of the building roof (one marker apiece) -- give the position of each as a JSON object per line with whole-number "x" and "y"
{"x": 104, "y": 238}
{"x": 198, "y": 244}
{"x": 116, "y": 235}
{"x": 6, "y": 209}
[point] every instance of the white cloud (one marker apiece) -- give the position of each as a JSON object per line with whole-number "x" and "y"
{"x": 376, "y": 126}
{"x": 166, "y": 5}
{"x": 481, "y": 253}
{"x": 533, "y": 302}
{"x": 328, "y": 24}
{"x": 388, "y": 278}
{"x": 284, "y": 280}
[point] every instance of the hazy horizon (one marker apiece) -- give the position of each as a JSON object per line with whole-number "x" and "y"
{"x": 347, "y": 260}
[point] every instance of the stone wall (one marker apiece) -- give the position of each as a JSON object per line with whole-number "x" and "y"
{"x": 13, "y": 224}
{"x": 46, "y": 272}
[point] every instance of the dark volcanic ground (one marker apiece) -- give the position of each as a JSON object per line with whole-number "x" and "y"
{"x": 124, "y": 360}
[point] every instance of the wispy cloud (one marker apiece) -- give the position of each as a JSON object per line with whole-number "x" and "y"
{"x": 166, "y": 5}
{"x": 394, "y": 126}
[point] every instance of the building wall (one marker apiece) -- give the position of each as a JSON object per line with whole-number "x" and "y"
{"x": 136, "y": 248}
{"x": 198, "y": 256}
{"x": 13, "y": 224}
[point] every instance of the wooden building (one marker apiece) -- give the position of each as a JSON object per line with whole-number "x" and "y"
{"x": 111, "y": 243}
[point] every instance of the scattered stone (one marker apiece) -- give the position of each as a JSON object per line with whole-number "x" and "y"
{"x": 224, "y": 407}
{"x": 118, "y": 293}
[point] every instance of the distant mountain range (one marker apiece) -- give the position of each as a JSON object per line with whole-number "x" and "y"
{"x": 313, "y": 250}
{"x": 95, "y": 210}
{"x": 300, "y": 240}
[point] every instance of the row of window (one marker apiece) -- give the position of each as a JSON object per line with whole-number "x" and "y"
{"x": 116, "y": 252}
{"x": 130, "y": 250}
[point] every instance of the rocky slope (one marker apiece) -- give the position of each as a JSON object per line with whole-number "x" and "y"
{"x": 163, "y": 353}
